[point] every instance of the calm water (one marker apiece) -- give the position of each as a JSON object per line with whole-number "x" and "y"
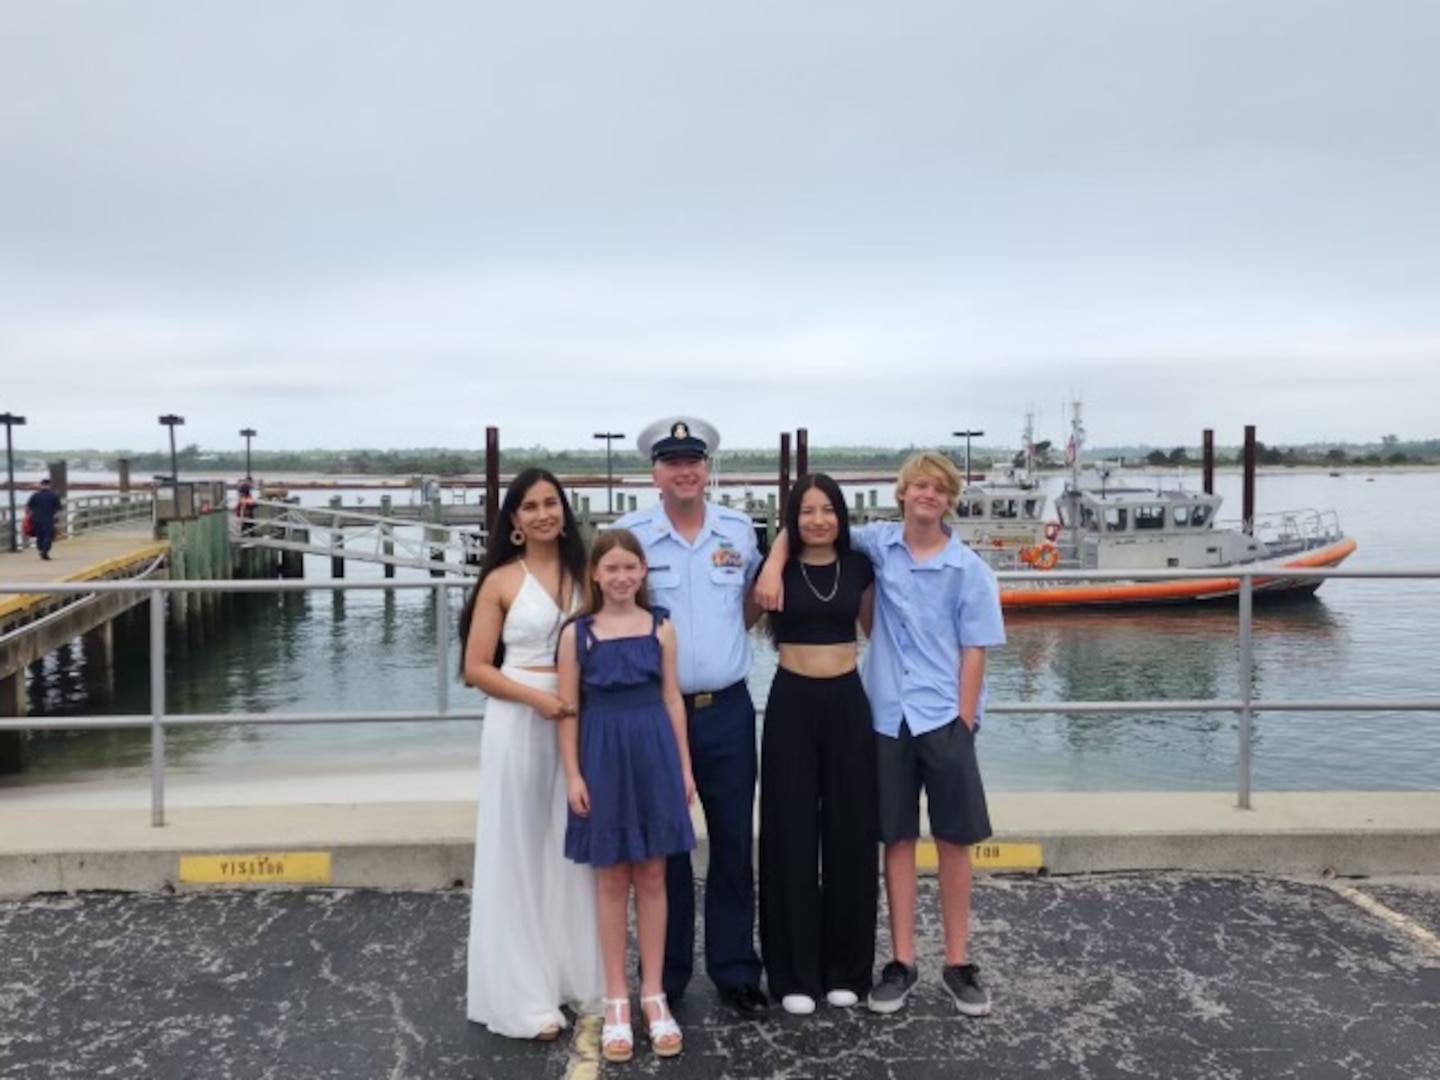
{"x": 368, "y": 650}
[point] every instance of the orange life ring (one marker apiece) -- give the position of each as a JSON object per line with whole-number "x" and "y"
{"x": 1045, "y": 557}
{"x": 1052, "y": 530}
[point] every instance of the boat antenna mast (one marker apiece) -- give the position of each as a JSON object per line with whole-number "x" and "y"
{"x": 1029, "y": 443}
{"x": 1075, "y": 444}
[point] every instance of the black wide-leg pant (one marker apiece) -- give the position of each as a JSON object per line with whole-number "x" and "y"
{"x": 819, "y": 836}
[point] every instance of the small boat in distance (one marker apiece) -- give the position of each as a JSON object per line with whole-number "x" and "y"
{"x": 1101, "y": 526}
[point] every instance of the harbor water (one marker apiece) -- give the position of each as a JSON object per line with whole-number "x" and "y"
{"x": 376, "y": 650}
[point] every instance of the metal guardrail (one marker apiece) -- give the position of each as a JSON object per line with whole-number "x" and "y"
{"x": 350, "y": 534}
{"x": 88, "y": 513}
{"x": 1245, "y": 705}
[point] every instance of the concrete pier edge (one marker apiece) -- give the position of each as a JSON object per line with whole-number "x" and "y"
{"x": 427, "y": 846}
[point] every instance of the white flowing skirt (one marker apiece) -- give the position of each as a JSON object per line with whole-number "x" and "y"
{"x": 533, "y": 940}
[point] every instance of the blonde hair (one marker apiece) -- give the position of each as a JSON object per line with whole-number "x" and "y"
{"x": 932, "y": 465}
{"x": 605, "y": 543}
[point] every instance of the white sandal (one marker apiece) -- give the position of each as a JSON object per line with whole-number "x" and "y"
{"x": 665, "y": 1038}
{"x": 617, "y": 1041}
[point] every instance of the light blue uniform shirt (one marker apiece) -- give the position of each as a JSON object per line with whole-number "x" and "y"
{"x": 925, "y": 613}
{"x": 703, "y": 585}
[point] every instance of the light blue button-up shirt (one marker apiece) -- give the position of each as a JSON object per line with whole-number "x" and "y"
{"x": 703, "y": 585}
{"x": 925, "y": 613}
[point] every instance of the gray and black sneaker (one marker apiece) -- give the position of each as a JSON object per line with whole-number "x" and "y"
{"x": 962, "y": 982}
{"x": 889, "y": 994}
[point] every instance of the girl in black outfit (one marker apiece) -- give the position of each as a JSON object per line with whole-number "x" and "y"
{"x": 817, "y": 769}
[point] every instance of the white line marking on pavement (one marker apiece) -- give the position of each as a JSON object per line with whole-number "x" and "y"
{"x": 1403, "y": 923}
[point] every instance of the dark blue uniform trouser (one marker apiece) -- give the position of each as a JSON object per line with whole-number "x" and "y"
{"x": 44, "y": 537}
{"x": 724, "y": 760}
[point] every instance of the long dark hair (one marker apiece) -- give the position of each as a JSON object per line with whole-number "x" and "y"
{"x": 501, "y": 549}
{"x": 831, "y": 491}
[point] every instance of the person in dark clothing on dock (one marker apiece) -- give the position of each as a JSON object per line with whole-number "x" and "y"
{"x": 43, "y": 507}
{"x": 245, "y": 506}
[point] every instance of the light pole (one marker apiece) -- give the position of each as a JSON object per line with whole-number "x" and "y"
{"x": 170, "y": 420}
{"x": 248, "y": 433}
{"x": 967, "y": 436}
{"x": 10, "y": 420}
{"x": 609, "y": 437}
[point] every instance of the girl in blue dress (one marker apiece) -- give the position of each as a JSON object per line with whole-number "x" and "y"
{"x": 627, "y": 764}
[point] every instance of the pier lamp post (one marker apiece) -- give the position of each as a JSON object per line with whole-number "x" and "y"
{"x": 609, "y": 437}
{"x": 967, "y": 436}
{"x": 10, "y": 420}
{"x": 248, "y": 433}
{"x": 171, "y": 421}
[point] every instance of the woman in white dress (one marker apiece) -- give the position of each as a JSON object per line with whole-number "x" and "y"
{"x": 533, "y": 946}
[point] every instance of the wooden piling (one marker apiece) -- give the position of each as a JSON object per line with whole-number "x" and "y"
{"x": 435, "y": 536}
{"x": 1247, "y": 511}
{"x": 784, "y": 485}
{"x": 387, "y": 530}
{"x": 492, "y": 480}
{"x": 14, "y": 745}
{"x": 337, "y": 540}
{"x": 98, "y": 647}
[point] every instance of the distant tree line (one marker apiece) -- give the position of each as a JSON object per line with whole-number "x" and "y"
{"x": 1391, "y": 451}
{"x": 443, "y": 461}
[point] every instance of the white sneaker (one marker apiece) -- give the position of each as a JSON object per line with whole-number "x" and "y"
{"x": 798, "y": 1004}
{"x": 842, "y": 999}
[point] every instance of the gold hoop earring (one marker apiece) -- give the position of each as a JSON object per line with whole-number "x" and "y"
{"x": 517, "y": 537}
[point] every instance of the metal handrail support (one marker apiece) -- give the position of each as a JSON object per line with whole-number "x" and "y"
{"x": 1247, "y": 689}
{"x": 157, "y": 708}
{"x": 442, "y": 648}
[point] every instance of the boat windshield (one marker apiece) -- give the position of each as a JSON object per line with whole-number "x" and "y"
{"x": 1149, "y": 517}
{"x": 968, "y": 508}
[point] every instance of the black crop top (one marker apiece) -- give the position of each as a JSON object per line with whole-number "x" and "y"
{"x": 809, "y": 618}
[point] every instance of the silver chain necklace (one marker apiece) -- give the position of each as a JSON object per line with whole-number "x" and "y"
{"x": 835, "y": 588}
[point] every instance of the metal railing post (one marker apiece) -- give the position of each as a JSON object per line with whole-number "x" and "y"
{"x": 442, "y": 646}
{"x": 1247, "y": 669}
{"x": 157, "y": 708}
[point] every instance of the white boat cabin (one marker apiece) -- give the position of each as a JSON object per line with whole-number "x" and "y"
{"x": 1000, "y": 515}
{"x": 1147, "y": 529}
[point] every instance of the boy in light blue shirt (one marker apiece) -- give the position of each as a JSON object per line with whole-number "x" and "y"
{"x": 937, "y": 609}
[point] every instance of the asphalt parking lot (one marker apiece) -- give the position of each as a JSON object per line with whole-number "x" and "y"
{"x": 1137, "y": 975}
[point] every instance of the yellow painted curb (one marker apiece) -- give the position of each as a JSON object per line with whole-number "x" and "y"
{"x": 258, "y": 868}
{"x": 989, "y": 855}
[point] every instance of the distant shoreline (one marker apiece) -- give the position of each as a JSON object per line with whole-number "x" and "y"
{"x": 309, "y": 481}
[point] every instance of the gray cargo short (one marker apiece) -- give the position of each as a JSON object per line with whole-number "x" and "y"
{"x": 942, "y": 763}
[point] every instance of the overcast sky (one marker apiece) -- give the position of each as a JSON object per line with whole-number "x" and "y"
{"x": 363, "y": 223}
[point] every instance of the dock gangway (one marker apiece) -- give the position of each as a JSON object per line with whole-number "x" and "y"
{"x": 349, "y": 534}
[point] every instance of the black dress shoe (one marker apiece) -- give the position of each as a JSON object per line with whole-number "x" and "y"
{"x": 746, "y": 1000}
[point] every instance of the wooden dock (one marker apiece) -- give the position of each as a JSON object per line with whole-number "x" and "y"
{"x": 34, "y": 624}
{"x": 88, "y": 557}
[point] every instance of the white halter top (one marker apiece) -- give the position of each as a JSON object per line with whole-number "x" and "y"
{"x": 532, "y": 625}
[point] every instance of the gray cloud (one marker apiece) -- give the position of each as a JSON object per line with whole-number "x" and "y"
{"x": 363, "y": 223}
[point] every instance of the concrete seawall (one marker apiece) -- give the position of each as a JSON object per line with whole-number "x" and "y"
{"x": 429, "y": 845}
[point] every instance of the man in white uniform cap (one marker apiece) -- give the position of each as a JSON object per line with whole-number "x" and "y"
{"x": 703, "y": 560}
